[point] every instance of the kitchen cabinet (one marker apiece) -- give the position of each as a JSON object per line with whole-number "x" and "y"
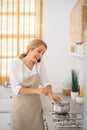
{"x": 45, "y": 123}
{"x": 5, "y": 107}
{"x": 78, "y": 22}
{"x": 4, "y": 121}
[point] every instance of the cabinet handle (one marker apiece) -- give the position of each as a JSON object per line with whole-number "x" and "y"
{"x": 8, "y": 124}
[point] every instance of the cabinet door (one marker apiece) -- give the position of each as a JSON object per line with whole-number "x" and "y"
{"x": 78, "y": 22}
{"x": 4, "y": 121}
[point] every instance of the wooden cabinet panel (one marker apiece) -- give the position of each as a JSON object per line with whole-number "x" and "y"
{"x": 78, "y": 22}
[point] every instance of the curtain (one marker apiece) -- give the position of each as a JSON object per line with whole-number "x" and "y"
{"x": 20, "y": 22}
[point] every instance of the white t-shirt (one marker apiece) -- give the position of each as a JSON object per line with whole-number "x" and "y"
{"x": 18, "y": 71}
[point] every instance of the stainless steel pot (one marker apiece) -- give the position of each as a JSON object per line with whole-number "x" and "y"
{"x": 62, "y": 107}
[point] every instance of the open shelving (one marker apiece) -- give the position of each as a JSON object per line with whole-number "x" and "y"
{"x": 78, "y": 55}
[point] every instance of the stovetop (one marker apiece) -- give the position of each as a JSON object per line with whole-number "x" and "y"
{"x": 61, "y": 120}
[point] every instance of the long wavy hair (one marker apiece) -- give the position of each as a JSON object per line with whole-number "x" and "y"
{"x": 32, "y": 45}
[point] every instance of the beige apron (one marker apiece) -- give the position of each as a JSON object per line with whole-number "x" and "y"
{"x": 27, "y": 109}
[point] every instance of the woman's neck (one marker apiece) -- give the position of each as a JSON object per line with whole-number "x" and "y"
{"x": 28, "y": 63}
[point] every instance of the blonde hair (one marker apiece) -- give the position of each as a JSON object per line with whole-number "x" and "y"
{"x": 32, "y": 45}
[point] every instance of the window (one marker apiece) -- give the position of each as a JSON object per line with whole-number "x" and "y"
{"x": 20, "y": 22}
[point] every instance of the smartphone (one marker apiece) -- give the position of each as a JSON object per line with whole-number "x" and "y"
{"x": 38, "y": 60}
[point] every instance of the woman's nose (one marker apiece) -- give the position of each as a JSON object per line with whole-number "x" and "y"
{"x": 41, "y": 55}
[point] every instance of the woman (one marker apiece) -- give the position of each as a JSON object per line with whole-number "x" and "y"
{"x": 27, "y": 72}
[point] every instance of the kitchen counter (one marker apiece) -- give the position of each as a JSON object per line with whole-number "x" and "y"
{"x": 47, "y": 105}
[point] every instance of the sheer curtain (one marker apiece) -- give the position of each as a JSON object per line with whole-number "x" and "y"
{"x": 20, "y": 22}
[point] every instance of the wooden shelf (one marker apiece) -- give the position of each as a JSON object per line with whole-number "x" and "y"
{"x": 78, "y": 55}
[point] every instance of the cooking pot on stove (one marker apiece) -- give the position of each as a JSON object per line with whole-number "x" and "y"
{"x": 61, "y": 107}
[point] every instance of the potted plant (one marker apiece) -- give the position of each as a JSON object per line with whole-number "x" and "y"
{"x": 74, "y": 84}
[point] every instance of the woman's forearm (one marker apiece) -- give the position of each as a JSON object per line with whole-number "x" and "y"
{"x": 43, "y": 90}
{"x": 29, "y": 91}
{"x": 49, "y": 89}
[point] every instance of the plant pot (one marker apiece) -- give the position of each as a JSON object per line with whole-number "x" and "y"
{"x": 74, "y": 95}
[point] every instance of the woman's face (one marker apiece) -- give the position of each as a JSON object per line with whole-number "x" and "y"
{"x": 37, "y": 53}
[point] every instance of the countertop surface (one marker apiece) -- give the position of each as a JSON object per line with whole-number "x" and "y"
{"x": 47, "y": 105}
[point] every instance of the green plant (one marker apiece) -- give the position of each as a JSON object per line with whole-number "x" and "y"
{"x": 74, "y": 81}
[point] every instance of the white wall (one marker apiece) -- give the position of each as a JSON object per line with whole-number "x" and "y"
{"x": 56, "y": 33}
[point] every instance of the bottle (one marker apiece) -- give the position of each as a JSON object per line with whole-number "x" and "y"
{"x": 81, "y": 92}
{"x": 72, "y": 48}
{"x": 78, "y": 48}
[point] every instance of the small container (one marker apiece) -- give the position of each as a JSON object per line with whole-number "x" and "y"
{"x": 72, "y": 48}
{"x": 81, "y": 94}
{"x": 62, "y": 107}
{"x": 67, "y": 91}
{"x": 80, "y": 100}
{"x": 66, "y": 87}
{"x": 78, "y": 48}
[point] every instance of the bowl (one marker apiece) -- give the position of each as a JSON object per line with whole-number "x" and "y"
{"x": 80, "y": 100}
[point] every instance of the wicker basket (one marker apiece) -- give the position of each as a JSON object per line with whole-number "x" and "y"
{"x": 67, "y": 91}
